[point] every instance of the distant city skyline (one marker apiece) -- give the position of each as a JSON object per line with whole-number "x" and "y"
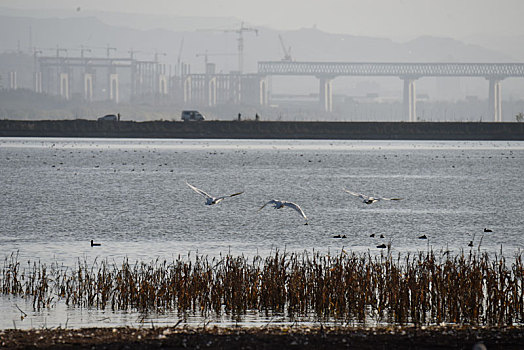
{"x": 396, "y": 19}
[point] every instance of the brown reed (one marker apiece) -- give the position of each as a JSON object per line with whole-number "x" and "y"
{"x": 422, "y": 289}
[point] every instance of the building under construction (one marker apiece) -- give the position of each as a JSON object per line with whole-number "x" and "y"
{"x": 126, "y": 79}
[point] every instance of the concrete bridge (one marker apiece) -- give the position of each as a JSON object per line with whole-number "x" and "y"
{"x": 408, "y": 72}
{"x": 65, "y": 76}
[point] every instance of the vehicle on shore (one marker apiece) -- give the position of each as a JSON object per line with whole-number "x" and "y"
{"x": 110, "y": 117}
{"x": 192, "y": 116}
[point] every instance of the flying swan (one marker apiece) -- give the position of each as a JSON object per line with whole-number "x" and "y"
{"x": 281, "y": 204}
{"x": 210, "y": 200}
{"x": 370, "y": 200}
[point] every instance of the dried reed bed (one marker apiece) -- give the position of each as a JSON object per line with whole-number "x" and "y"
{"x": 426, "y": 288}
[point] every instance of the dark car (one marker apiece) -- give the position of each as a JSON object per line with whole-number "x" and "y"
{"x": 112, "y": 117}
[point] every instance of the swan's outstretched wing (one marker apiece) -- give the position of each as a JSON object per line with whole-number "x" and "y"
{"x": 296, "y": 207}
{"x": 360, "y": 195}
{"x": 273, "y": 201}
{"x": 199, "y": 191}
{"x": 231, "y": 195}
{"x": 387, "y": 199}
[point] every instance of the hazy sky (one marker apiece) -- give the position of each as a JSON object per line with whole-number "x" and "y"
{"x": 385, "y": 18}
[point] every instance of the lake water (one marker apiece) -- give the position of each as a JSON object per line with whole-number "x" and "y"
{"x": 130, "y": 195}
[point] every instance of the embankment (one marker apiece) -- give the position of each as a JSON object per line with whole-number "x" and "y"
{"x": 313, "y": 337}
{"x": 265, "y": 130}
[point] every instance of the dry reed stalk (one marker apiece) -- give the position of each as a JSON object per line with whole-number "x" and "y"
{"x": 421, "y": 289}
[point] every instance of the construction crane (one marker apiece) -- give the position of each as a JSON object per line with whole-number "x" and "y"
{"x": 287, "y": 51}
{"x": 240, "y": 39}
{"x": 178, "y": 61}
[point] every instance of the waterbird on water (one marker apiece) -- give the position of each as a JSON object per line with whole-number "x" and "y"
{"x": 423, "y": 237}
{"x": 277, "y": 204}
{"x": 93, "y": 244}
{"x": 369, "y": 199}
{"x": 210, "y": 200}
{"x": 382, "y": 246}
{"x": 470, "y": 244}
{"x": 487, "y": 230}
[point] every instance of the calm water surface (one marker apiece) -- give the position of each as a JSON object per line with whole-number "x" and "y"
{"x": 131, "y": 196}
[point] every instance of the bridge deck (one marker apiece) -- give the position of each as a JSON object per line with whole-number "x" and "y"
{"x": 412, "y": 70}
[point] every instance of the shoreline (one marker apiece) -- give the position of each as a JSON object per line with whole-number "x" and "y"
{"x": 301, "y": 337}
{"x": 453, "y": 131}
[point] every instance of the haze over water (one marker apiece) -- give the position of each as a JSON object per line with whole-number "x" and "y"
{"x": 131, "y": 196}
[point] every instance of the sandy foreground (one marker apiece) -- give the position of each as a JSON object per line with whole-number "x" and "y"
{"x": 266, "y": 338}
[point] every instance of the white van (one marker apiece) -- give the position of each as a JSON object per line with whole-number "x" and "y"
{"x": 192, "y": 116}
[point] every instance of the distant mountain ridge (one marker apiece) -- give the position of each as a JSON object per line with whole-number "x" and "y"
{"x": 217, "y": 40}
{"x": 131, "y": 20}
{"x": 308, "y": 44}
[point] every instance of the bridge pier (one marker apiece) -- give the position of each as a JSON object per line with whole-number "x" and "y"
{"x": 410, "y": 99}
{"x": 188, "y": 91}
{"x": 162, "y": 85}
{"x": 88, "y": 87}
{"x": 326, "y": 94}
{"x": 263, "y": 92}
{"x": 64, "y": 85}
{"x": 13, "y": 84}
{"x": 113, "y": 87}
{"x": 211, "y": 91}
{"x": 13, "y": 81}
{"x": 37, "y": 81}
{"x": 495, "y": 99}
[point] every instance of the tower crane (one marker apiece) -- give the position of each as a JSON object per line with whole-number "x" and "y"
{"x": 178, "y": 62}
{"x": 240, "y": 39}
{"x": 287, "y": 51}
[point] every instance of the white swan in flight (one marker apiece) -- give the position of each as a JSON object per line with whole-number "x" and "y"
{"x": 369, "y": 199}
{"x": 281, "y": 204}
{"x": 210, "y": 200}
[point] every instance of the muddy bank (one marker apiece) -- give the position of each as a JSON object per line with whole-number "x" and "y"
{"x": 266, "y": 338}
{"x": 264, "y": 130}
